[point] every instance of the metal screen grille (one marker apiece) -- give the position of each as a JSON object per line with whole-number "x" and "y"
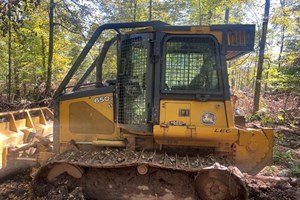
{"x": 191, "y": 64}
{"x": 132, "y": 79}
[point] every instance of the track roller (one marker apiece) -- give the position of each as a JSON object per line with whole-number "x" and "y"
{"x": 142, "y": 169}
{"x": 59, "y": 169}
{"x": 217, "y": 184}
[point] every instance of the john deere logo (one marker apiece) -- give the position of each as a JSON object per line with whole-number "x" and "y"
{"x": 208, "y": 118}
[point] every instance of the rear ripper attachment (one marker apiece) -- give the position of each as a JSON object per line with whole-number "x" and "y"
{"x": 163, "y": 128}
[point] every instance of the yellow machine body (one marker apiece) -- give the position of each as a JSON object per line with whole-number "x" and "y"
{"x": 194, "y": 132}
{"x": 91, "y": 120}
{"x": 88, "y": 119}
{"x": 251, "y": 149}
{"x": 168, "y": 108}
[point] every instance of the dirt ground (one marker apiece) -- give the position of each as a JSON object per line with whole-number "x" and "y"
{"x": 279, "y": 181}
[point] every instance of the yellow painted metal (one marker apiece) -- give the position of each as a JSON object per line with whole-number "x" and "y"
{"x": 16, "y": 126}
{"x": 169, "y": 111}
{"x": 108, "y": 143}
{"x": 204, "y": 30}
{"x": 96, "y": 111}
{"x": 229, "y": 114}
{"x": 191, "y": 130}
{"x": 3, "y": 156}
{"x": 198, "y": 136}
{"x": 269, "y": 133}
{"x": 253, "y": 150}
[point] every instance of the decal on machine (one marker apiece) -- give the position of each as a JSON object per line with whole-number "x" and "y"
{"x": 102, "y": 99}
{"x": 222, "y": 130}
{"x": 176, "y": 123}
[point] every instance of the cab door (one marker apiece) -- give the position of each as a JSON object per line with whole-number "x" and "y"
{"x": 134, "y": 86}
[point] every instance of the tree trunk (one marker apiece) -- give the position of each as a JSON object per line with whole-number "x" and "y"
{"x": 266, "y": 83}
{"x": 254, "y": 72}
{"x": 200, "y": 12}
{"x": 134, "y": 10}
{"x": 267, "y": 76}
{"x": 282, "y": 4}
{"x": 233, "y": 78}
{"x": 226, "y": 16}
{"x": 248, "y": 82}
{"x": 150, "y": 10}
{"x": 44, "y": 78}
{"x": 261, "y": 57}
{"x": 9, "y": 56}
{"x": 281, "y": 45}
{"x": 287, "y": 95}
{"x": 17, "y": 82}
{"x": 50, "y": 56}
{"x": 239, "y": 81}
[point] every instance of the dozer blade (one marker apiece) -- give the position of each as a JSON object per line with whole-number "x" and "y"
{"x": 20, "y": 131}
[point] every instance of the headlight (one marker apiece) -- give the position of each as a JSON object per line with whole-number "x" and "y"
{"x": 208, "y": 118}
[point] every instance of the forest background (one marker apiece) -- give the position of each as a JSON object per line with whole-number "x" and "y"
{"x": 41, "y": 39}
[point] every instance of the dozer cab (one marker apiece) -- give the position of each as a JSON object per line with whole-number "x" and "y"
{"x": 164, "y": 127}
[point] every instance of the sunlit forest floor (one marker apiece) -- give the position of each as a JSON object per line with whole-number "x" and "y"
{"x": 279, "y": 181}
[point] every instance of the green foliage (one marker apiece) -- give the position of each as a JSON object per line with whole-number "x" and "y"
{"x": 287, "y": 158}
{"x": 285, "y": 80}
{"x": 296, "y": 168}
{"x": 30, "y": 44}
{"x": 12, "y": 12}
{"x": 282, "y": 157}
{"x": 286, "y": 19}
{"x": 75, "y": 21}
{"x": 262, "y": 116}
{"x": 281, "y": 59}
{"x": 204, "y": 12}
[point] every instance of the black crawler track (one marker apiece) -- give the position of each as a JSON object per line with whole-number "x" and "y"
{"x": 127, "y": 159}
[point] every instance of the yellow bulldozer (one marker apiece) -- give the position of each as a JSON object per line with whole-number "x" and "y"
{"x": 162, "y": 129}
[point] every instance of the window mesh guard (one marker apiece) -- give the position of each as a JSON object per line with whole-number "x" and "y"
{"x": 191, "y": 64}
{"x": 132, "y": 79}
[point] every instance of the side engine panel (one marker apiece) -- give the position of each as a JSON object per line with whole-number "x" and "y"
{"x": 87, "y": 119}
{"x": 194, "y": 123}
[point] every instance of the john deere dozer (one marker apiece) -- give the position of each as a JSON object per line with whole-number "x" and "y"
{"x": 164, "y": 127}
